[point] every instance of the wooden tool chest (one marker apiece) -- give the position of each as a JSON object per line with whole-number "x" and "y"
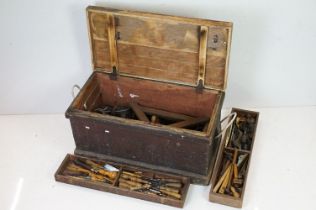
{"x": 152, "y": 103}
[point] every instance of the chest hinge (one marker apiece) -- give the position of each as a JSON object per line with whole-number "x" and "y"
{"x": 113, "y": 74}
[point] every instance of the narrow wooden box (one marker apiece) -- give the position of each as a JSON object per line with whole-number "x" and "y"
{"x": 225, "y": 199}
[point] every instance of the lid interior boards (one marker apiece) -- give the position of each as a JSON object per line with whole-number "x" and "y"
{"x": 160, "y": 47}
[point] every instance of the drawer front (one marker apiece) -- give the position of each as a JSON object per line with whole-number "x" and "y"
{"x": 150, "y": 146}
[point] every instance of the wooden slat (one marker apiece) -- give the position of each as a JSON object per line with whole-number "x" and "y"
{"x": 165, "y": 114}
{"x": 190, "y": 122}
{"x": 157, "y": 63}
{"x": 139, "y": 112}
{"x": 217, "y": 57}
{"x": 101, "y": 54}
{"x": 215, "y": 72}
{"x": 202, "y": 53}
{"x": 173, "y": 98}
{"x": 98, "y": 26}
{"x": 112, "y": 40}
{"x": 160, "y": 47}
{"x": 167, "y": 18}
{"x": 158, "y": 33}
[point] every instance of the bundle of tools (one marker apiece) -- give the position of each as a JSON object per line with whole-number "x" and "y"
{"x": 242, "y": 132}
{"x": 155, "y": 116}
{"x": 137, "y": 181}
{"x": 232, "y": 175}
{"x": 88, "y": 169}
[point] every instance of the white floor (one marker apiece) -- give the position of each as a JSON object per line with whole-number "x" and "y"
{"x": 282, "y": 172}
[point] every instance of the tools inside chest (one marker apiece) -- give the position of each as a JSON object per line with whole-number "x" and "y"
{"x": 151, "y": 102}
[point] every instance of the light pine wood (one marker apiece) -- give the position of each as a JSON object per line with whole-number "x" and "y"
{"x": 139, "y": 112}
{"x": 112, "y": 40}
{"x": 202, "y": 53}
{"x": 167, "y": 48}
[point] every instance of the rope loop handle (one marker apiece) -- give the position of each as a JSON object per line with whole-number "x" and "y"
{"x": 73, "y": 90}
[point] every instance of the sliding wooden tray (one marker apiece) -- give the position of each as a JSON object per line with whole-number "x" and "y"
{"x": 61, "y": 176}
{"x": 226, "y": 199}
{"x": 173, "y": 64}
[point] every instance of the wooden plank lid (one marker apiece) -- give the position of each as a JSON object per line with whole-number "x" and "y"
{"x": 174, "y": 49}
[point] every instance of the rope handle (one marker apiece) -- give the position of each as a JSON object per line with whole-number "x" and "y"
{"x": 74, "y": 94}
{"x": 73, "y": 90}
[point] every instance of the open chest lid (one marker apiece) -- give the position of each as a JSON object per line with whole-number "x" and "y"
{"x": 172, "y": 49}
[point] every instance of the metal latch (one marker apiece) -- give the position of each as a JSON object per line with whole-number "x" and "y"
{"x": 200, "y": 86}
{"x": 113, "y": 74}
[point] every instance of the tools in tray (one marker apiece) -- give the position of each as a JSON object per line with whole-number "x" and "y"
{"x": 137, "y": 181}
{"x": 87, "y": 169}
{"x": 125, "y": 178}
{"x": 155, "y": 116}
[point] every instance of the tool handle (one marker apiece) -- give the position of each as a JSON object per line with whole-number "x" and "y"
{"x": 131, "y": 183}
{"x": 175, "y": 185}
{"x": 169, "y": 189}
{"x": 134, "y": 179}
{"x": 110, "y": 174}
{"x": 172, "y": 194}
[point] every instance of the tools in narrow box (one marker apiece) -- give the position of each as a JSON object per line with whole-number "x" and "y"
{"x": 138, "y": 181}
{"x": 243, "y": 132}
{"x": 232, "y": 175}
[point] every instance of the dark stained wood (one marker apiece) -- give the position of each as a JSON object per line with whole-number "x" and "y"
{"x": 171, "y": 149}
{"x": 143, "y": 144}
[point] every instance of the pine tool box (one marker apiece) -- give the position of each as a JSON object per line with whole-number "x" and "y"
{"x": 151, "y": 108}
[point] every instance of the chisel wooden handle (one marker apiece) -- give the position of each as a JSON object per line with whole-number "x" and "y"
{"x": 100, "y": 170}
{"x": 171, "y": 194}
{"x": 110, "y": 174}
{"x": 131, "y": 183}
{"x": 169, "y": 189}
{"x": 134, "y": 179}
{"x": 175, "y": 185}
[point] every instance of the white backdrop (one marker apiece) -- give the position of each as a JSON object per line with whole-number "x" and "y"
{"x": 44, "y": 50}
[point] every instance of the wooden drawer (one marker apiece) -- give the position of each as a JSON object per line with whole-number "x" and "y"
{"x": 173, "y": 189}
